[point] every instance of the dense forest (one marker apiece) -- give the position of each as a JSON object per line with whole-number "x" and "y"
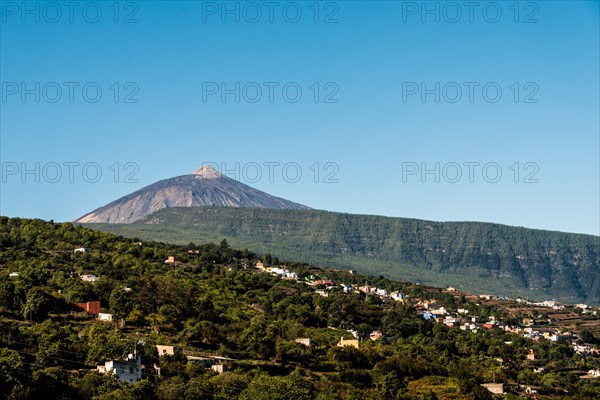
{"x": 479, "y": 257}
{"x": 209, "y": 300}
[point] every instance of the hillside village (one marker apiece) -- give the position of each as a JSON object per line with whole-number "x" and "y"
{"x": 143, "y": 313}
{"x": 455, "y": 318}
{"x": 459, "y": 318}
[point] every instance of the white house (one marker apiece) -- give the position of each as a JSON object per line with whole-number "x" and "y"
{"x": 291, "y": 275}
{"x": 279, "y": 271}
{"x": 82, "y": 250}
{"x": 89, "y": 278}
{"x": 304, "y": 341}
{"x": 106, "y": 317}
{"x": 397, "y": 296}
{"x": 220, "y": 368}
{"x": 346, "y": 288}
{"x": 128, "y": 371}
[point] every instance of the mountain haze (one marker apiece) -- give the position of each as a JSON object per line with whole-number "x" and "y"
{"x": 204, "y": 187}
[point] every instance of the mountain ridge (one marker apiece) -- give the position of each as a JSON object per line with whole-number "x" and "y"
{"x": 478, "y": 256}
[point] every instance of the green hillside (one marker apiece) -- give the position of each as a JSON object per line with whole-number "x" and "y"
{"x": 479, "y": 257}
{"x": 213, "y": 305}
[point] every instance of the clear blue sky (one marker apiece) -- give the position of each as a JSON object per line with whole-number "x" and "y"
{"x": 374, "y": 58}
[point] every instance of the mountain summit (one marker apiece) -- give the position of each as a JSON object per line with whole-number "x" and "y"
{"x": 204, "y": 187}
{"x": 208, "y": 172}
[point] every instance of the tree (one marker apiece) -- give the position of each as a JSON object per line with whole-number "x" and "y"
{"x": 50, "y": 383}
{"x": 228, "y": 386}
{"x": 120, "y": 302}
{"x": 94, "y": 384}
{"x": 104, "y": 343}
{"x": 172, "y": 389}
{"x": 77, "y": 290}
{"x": 587, "y": 337}
{"x": 13, "y": 375}
{"x": 267, "y": 259}
{"x": 391, "y": 385}
{"x": 265, "y": 387}
{"x": 7, "y": 293}
{"x": 37, "y": 305}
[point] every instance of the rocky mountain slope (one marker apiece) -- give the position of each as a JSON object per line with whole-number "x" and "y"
{"x": 204, "y": 187}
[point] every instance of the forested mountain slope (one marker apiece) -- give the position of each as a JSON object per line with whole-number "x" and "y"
{"x": 475, "y": 256}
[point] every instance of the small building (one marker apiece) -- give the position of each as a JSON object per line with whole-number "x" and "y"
{"x": 439, "y": 311}
{"x": 165, "y": 350}
{"x": 291, "y": 275}
{"x": 279, "y": 271}
{"x": 82, "y": 250}
{"x": 326, "y": 282}
{"x": 91, "y": 307}
{"x": 532, "y": 389}
{"x": 397, "y": 296}
{"x": 366, "y": 289}
{"x": 550, "y": 303}
{"x": 220, "y": 368}
{"x": 375, "y": 335}
{"x": 531, "y": 355}
{"x": 13, "y": 275}
{"x": 322, "y": 293}
{"x": 170, "y": 260}
{"x": 496, "y": 388}
{"x": 205, "y": 362}
{"x": 106, "y": 317}
{"x": 89, "y": 278}
{"x": 490, "y": 325}
{"x": 304, "y": 341}
{"x": 128, "y": 371}
{"x": 348, "y": 343}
